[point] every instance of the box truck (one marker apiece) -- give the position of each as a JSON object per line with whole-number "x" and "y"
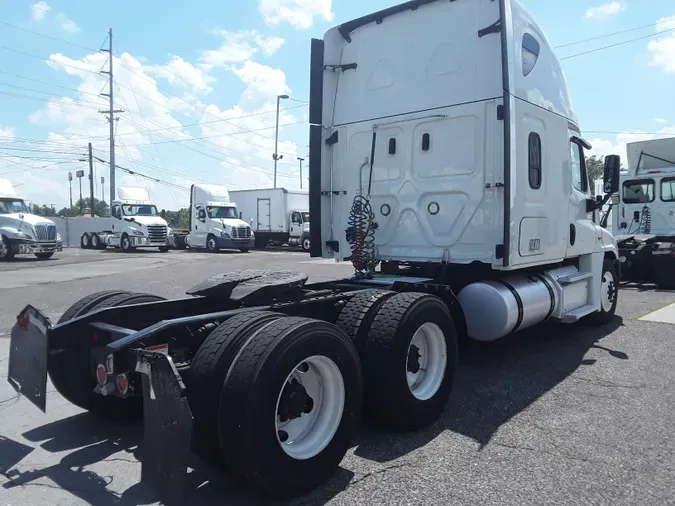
{"x": 134, "y": 222}
{"x": 22, "y": 232}
{"x": 276, "y": 215}
{"x": 215, "y": 222}
{"x": 458, "y": 167}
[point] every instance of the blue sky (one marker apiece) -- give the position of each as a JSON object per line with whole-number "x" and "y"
{"x": 184, "y": 67}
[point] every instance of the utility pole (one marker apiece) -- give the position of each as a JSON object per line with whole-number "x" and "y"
{"x": 301, "y": 160}
{"x": 70, "y": 184}
{"x": 80, "y": 174}
{"x": 111, "y": 111}
{"x": 102, "y": 190}
{"x": 91, "y": 181}
{"x": 276, "y": 140}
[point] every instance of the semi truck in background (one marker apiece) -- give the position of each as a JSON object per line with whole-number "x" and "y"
{"x": 276, "y": 215}
{"x": 134, "y": 222}
{"x": 21, "y": 231}
{"x": 457, "y": 167}
{"x": 215, "y": 223}
{"x": 644, "y": 220}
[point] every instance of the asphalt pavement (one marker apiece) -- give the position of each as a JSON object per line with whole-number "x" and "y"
{"x": 557, "y": 414}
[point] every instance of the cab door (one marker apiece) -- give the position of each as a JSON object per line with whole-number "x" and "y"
{"x": 582, "y": 234}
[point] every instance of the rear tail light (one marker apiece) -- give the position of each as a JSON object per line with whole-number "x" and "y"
{"x": 122, "y": 384}
{"x": 101, "y": 375}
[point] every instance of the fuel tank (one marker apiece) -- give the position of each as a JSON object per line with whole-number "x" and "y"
{"x": 496, "y": 308}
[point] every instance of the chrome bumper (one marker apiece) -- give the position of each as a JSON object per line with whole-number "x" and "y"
{"x": 38, "y": 247}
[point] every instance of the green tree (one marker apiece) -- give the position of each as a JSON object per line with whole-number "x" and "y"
{"x": 595, "y": 166}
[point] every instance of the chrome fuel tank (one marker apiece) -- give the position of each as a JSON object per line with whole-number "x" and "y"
{"x": 496, "y": 308}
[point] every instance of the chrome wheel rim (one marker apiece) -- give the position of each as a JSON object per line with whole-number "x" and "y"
{"x": 427, "y": 361}
{"x": 608, "y": 291}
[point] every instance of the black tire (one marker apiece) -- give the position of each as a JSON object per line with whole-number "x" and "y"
{"x": 358, "y": 314}
{"x": 388, "y": 398}
{"x": 248, "y": 406}
{"x": 244, "y": 250}
{"x": 95, "y": 241}
{"x": 85, "y": 241}
{"x": 212, "y": 244}
{"x": 208, "y": 370}
{"x": 44, "y": 256}
{"x": 606, "y": 314}
{"x": 6, "y": 249}
{"x": 163, "y": 249}
{"x": 125, "y": 244}
{"x": 304, "y": 242}
{"x": 72, "y": 373}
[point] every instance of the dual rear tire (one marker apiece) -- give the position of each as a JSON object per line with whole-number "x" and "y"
{"x": 276, "y": 400}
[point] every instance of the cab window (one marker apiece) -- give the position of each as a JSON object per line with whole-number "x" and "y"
{"x": 668, "y": 189}
{"x": 578, "y": 166}
{"x": 638, "y": 191}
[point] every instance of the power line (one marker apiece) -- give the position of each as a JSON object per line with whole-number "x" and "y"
{"x": 47, "y": 36}
{"x": 606, "y": 35}
{"x": 618, "y": 44}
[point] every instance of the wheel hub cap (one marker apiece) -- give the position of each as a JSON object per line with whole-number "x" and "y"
{"x": 294, "y": 401}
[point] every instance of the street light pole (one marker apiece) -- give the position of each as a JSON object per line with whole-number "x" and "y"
{"x": 301, "y": 160}
{"x": 276, "y": 140}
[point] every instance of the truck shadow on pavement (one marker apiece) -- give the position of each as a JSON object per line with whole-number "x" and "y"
{"x": 497, "y": 381}
{"x": 494, "y": 383}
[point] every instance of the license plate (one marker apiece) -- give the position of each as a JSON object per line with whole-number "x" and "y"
{"x": 28, "y": 356}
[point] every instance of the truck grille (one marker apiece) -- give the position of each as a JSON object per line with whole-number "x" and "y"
{"x": 241, "y": 232}
{"x": 45, "y": 232}
{"x": 157, "y": 233}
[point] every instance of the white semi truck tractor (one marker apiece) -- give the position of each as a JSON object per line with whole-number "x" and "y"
{"x": 276, "y": 215}
{"x": 450, "y": 173}
{"x": 214, "y": 221}
{"x": 644, "y": 220}
{"x": 22, "y": 232}
{"x": 134, "y": 222}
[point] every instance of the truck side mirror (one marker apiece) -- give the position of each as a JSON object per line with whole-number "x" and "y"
{"x": 163, "y": 214}
{"x": 612, "y": 174}
{"x": 240, "y": 215}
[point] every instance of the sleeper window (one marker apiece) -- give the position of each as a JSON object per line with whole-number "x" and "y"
{"x": 534, "y": 160}
{"x": 426, "y": 142}
{"x": 531, "y": 50}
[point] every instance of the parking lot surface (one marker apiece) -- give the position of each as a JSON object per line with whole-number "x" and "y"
{"x": 555, "y": 415}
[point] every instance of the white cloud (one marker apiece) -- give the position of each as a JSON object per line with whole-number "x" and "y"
{"x": 661, "y": 121}
{"x": 238, "y": 47}
{"x": 39, "y": 10}
{"x": 298, "y": 13}
{"x": 663, "y": 49}
{"x": 6, "y": 134}
{"x": 67, "y": 24}
{"x": 604, "y": 147}
{"x": 238, "y": 152}
{"x": 605, "y": 10}
{"x": 181, "y": 73}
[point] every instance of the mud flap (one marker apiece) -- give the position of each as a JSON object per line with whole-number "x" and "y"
{"x": 167, "y": 428}
{"x": 27, "y": 371}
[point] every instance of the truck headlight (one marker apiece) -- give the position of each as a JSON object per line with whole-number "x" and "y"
{"x": 135, "y": 231}
{"x": 23, "y": 235}
{"x": 58, "y": 237}
{"x": 224, "y": 235}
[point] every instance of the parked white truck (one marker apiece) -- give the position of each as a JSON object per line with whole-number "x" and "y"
{"x": 22, "y": 232}
{"x": 134, "y": 222}
{"x": 214, "y": 221}
{"x": 276, "y": 215}
{"x": 644, "y": 220}
{"x": 443, "y": 146}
